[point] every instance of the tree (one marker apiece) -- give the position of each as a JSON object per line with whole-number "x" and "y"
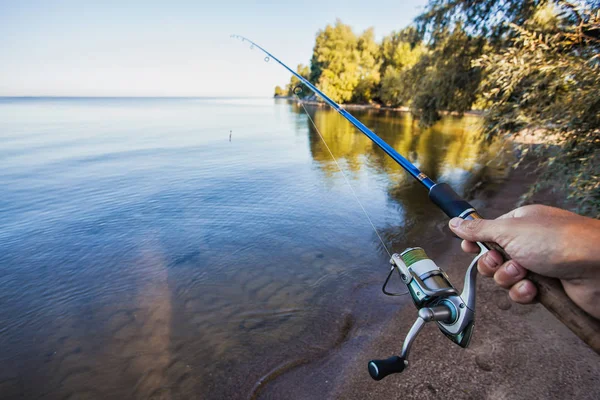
{"x": 457, "y": 33}
{"x": 444, "y": 78}
{"x": 485, "y": 18}
{"x": 334, "y": 65}
{"x": 368, "y": 68}
{"x": 547, "y": 80}
{"x": 279, "y": 91}
{"x": 533, "y": 64}
{"x": 304, "y": 72}
{"x": 400, "y": 51}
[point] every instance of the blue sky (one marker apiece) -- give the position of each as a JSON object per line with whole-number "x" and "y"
{"x": 169, "y": 48}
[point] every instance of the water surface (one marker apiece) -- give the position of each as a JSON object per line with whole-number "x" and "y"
{"x": 145, "y": 255}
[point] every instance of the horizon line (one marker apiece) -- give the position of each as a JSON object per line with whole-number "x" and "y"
{"x": 132, "y": 97}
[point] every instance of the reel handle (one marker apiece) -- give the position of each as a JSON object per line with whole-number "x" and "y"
{"x": 379, "y": 369}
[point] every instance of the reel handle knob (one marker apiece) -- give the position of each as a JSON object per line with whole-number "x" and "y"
{"x": 379, "y": 369}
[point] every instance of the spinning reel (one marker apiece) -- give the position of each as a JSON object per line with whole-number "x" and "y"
{"x": 436, "y": 299}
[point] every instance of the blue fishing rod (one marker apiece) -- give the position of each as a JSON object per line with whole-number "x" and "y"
{"x": 436, "y": 299}
{"x": 440, "y": 193}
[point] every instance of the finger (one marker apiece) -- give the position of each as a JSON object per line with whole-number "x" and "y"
{"x": 523, "y": 292}
{"x": 480, "y": 230}
{"x": 489, "y": 263}
{"x": 469, "y": 247}
{"x": 509, "y": 273}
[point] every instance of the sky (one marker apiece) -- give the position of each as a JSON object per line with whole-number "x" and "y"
{"x": 170, "y": 48}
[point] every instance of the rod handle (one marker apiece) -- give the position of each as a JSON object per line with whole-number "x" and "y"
{"x": 443, "y": 196}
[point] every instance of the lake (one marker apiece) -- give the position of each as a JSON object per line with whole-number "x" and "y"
{"x": 144, "y": 254}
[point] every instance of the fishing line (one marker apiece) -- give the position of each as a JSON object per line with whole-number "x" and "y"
{"x": 295, "y": 91}
{"x": 551, "y": 293}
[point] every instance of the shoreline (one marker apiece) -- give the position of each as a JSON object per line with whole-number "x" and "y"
{"x": 512, "y": 355}
{"x": 372, "y": 106}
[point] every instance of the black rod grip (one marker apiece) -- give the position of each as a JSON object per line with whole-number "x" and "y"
{"x": 379, "y": 369}
{"x": 448, "y": 200}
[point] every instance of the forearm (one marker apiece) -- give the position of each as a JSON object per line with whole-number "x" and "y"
{"x": 582, "y": 282}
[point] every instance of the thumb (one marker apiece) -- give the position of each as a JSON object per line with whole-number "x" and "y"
{"x": 479, "y": 230}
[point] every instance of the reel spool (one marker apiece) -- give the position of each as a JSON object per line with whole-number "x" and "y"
{"x": 436, "y": 300}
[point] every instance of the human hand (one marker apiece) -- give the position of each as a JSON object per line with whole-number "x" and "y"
{"x": 542, "y": 239}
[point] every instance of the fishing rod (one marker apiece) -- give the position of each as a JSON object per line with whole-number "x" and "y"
{"x": 434, "y": 296}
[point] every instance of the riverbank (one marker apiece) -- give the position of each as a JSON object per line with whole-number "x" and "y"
{"x": 313, "y": 101}
{"x": 517, "y": 352}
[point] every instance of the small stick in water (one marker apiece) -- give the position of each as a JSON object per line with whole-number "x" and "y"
{"x": 230, "y": 136}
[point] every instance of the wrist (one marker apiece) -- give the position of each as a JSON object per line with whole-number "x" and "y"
{"x": 585, "y": 293}
{"x": 582, "y": 252}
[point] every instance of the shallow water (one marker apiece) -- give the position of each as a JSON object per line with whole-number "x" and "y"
{"x": 144, "y": 255}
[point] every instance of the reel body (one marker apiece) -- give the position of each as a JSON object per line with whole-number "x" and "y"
{"x": 436, "y": 300}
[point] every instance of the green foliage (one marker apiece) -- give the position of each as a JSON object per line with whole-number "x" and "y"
{"x": 344, "y": 65}
{"x": 395, "y": 89}
{"x": 532, "y": 65}
{"x": 279, "y": 91}
{"x": 483, "y": 18}
{"x": 444, "y": 79}
{"x": 397, "y": 45}
{"x": 400, "y": 51}
{"x": 334, "y": 64}
{"x": 303, "y": 71}
{"x": 547, "y": 79}
{"x": 368, "y": 68}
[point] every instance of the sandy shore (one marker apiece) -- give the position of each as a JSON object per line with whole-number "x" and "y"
{"x": 517, "y": 352}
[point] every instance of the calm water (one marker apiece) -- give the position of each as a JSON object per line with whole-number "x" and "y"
{"x": 144, "y": 255}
